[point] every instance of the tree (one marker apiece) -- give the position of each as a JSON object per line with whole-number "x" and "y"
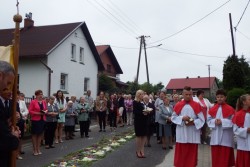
{"x": 233, "y": 75}
{"x": 105, "y": 83}
{"x": 233, "y": 95}
{"x": 158, "y": 87}
{"x": 220, "y": 83}
{"x": 132, "y": 87}
{"x": 246, "y": 70}
{"x": 146, "y": 87}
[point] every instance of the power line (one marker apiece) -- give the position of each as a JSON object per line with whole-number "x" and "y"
{"x": 90, "y": 2}
{"x": 191, "y": 24}
{"x": 121, "y": 17}
{"x": 113, "y": 46}
{"x": 242, "y": 15}
{"x": 127, "y": 18}
{"x": 131, "y": 30}
{"x": 194, "y": 54}
{"x": 243, "y": 35}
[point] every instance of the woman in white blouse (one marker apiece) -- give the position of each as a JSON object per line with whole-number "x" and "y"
{"x": 22, "y": 105}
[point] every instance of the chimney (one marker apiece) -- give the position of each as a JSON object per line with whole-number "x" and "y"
{"x": 187, "y": 77}
{"x": 199, "y": 77}
{"x": 28, "y": 22}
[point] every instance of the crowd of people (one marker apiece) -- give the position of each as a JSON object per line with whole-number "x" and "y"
{"x": 187, "y": 122}
{"x": 181, "y": 119}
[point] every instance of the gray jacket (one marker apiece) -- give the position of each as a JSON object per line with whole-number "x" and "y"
{"x": 52, "y": 108}
{"x": 69, "y": 118}
{"x": 83, "y": 116}
{"x": 165, "y": 113}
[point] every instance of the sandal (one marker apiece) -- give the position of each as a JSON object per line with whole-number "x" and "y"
{"x": 142, "y": 155}
{"x": 138, "y": 155}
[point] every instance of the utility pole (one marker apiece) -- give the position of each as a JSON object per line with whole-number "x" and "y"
{"x": 232, "y": 35}
{"x": 142, "y": 42}
{"x": 146, "y": 61}
{"x": 139, "y": 60}
{"x": 209, "y": 85}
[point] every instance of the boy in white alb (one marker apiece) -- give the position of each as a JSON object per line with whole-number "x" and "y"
{"x": 219, "y": 119}
{"x": 189, "y": 119}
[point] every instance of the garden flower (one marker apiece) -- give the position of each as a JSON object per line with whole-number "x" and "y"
{"x": 87, "y": 159}
{"x": 99, "y": 153}
{"x": 107, "y": 148}
{"x": 63, "y": 164}
{"x": 128, "y": 137}
{"x": 121, "y": 140}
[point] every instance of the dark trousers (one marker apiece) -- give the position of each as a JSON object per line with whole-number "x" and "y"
{"x": 204, "y": 133}
{"x": 124, "y": 116}
{"x": 49, "y": 134}
{"x": 5, "y": 159}
{"x": 157, "y": 131}
{"x": 84, "y": 128}
{"x": 102, "y": 120}
{"x": 173, "y": 127}
{"x": 90, "y": 116}
{"x": 112, "y": 118}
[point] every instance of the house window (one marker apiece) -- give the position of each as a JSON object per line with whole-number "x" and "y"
{"x": 86, "y": 84}
{"x": 81, "y": 56}
{"x": 64, "y": 82}
{"x": 108, "y": 67}
{"x": 73, "y": 52}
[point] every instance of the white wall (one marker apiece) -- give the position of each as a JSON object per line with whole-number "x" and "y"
{"x": 60, "y": 62}
{"x": 32, "y": 76}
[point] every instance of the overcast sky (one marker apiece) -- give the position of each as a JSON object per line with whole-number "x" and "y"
{"x": 119, "y": 22}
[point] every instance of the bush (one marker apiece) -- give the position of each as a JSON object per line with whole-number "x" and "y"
{"x": 233, "y": 95}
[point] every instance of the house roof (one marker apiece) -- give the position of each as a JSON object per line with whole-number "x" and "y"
{"x": 106, "y": 48}
{"x": 40, "y": 41}
{"x": 195, "y": 83}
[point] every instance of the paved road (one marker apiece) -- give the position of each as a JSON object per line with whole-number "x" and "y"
{"x": 124, "y": 156}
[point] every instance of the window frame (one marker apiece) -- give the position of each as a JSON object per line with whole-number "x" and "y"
{"x": 73, "y": 52}
{"x": 66, "y": 77}
{"x": 86, "y": 85}
{"x": 81, "y": 55}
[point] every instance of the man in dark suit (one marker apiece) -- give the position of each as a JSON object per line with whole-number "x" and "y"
{"x": 8, "y": 135}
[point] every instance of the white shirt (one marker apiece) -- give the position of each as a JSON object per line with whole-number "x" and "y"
{"x": 243, "y": 138}
{"x": 188, "y": 134}
{"x": 23, "y": 109}
{"x": 223, "y": 134}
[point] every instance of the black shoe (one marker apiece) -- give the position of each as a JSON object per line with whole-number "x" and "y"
{"x": 89, "y": 130}
{"x": 104, "y": 130}
{"x": 81, "y": 136}
{"x": 73, "y": 134}
{"x": 100, "y": 130}
{"x": 170, "y": 147}
{"x": 22, "y": 152}
{"x": 87, "y": 136}
{"x": 149, "y": 145}
{"x": 52, "y": 146}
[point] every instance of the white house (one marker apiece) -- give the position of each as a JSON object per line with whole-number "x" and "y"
{"x": 56, "y": 57}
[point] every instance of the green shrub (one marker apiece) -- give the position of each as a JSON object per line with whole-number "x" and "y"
{"x": 233, "y": 95}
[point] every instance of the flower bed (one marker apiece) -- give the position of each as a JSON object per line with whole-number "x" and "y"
{"x": 86, "y": 156}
